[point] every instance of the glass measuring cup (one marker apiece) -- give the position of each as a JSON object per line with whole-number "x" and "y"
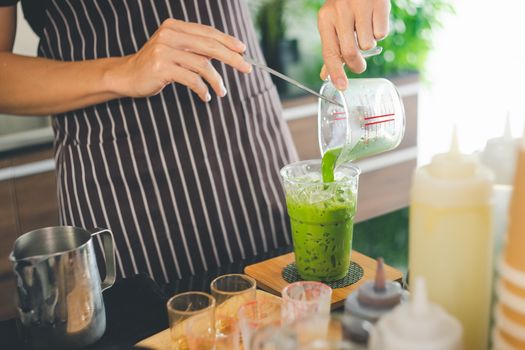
{"x": 368, "y": 119}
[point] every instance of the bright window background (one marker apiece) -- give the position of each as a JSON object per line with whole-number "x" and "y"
{"x": 475, "y": 75}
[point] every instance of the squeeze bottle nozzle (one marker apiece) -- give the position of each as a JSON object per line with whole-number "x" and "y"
{"x": 380, "y": 280}
{"x": 375, "y": 298}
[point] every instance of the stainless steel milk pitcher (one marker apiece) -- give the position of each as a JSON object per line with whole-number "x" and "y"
{"x": 59, "y": 292}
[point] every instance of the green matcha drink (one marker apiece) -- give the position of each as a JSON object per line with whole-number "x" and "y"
{"x": 321, "y": 215}
{"x": 362, "y": 149}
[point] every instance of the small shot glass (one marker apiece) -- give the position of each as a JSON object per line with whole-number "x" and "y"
{"x": 185, "y": 306}
{"x": 305, "y": 298}
{"x": 231, "y": 292}
{"x": 256, "y": 314}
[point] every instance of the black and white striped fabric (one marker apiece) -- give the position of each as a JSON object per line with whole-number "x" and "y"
{"x": 184, "y": 186}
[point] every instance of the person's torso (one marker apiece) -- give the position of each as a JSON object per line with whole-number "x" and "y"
{"x": 184, "y": 185}
{"x": 84, "y": 30}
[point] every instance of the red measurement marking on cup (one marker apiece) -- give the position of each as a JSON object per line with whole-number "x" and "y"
{"x": 380, "y": 116}
{"x": 380, "y": 122}
{"x": 369, "y": 118}
{"x": 339, "y": 113}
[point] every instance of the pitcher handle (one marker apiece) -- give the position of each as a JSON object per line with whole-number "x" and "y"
{"x": 109, "y": 254}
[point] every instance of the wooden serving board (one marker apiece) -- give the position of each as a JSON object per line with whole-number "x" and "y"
{"x": 162, "y": 340}
{"x": 268, "y": 275}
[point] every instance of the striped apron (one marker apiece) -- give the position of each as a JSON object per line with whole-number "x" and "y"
{"x": 185, "y": 186}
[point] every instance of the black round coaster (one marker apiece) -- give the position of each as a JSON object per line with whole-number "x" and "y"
{"x": 355, "y": 273}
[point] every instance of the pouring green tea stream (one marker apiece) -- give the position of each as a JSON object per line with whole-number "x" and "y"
{"x": 341, "y": 155}
{"x": 328, "y": 164}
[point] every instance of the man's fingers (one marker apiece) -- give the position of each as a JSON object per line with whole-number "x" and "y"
{"x": 347, "y": 42}
{"x": 335, "y": 69}
{"x": 203, "y": 46}
{"x": 196, "y": 84}
{"x": 211, "y": 48}
{"x": 206, "y": 31}
{"x": 181, "y": 75}
{"x": 364, "y": 28}
{"x": 324, "y": 73}
{"x": 202, "y": 66}
{"x": 332, "y": 55}
{"x": 380, "y": 18}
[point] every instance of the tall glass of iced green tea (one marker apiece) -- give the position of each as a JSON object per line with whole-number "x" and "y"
{"x": 322, "y": 218}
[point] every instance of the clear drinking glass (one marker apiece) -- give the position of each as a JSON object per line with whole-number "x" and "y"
{"x": 256, "y": 314}
{"x": 200, "y": 333}
{"x": 182, "y": 307}
{"x": 305, "y": 299}
{"x": 322, "y": 218}
{"x": 371, "y": 119}
{"x": 231, "y": 292}
{"x": 224, "y": 335}
{"x": 227, "y": 333}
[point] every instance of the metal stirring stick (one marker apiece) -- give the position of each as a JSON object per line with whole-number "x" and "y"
{"x": 375, "y": 51}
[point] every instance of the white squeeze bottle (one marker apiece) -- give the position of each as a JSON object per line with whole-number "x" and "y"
{"x": 450, "y": 242}
{"x": 417, "y": 325}
{"x": 499, "y": 155}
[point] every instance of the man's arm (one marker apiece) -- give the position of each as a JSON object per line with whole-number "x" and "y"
{"x": 178, "y": 52}
{"x": 39, "y": 86}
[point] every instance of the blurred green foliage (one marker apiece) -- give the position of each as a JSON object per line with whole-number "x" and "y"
{"x": 385, "y": 236}
{"x": 405, "y": 49}
{"x": 271, "y": 24}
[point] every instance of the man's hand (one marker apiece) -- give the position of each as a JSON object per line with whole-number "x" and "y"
{"x": 347, "y": 26}
{"x": 179, "y": 52}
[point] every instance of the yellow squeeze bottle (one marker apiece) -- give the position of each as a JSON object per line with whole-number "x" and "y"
{"x": 451, "y": 239}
